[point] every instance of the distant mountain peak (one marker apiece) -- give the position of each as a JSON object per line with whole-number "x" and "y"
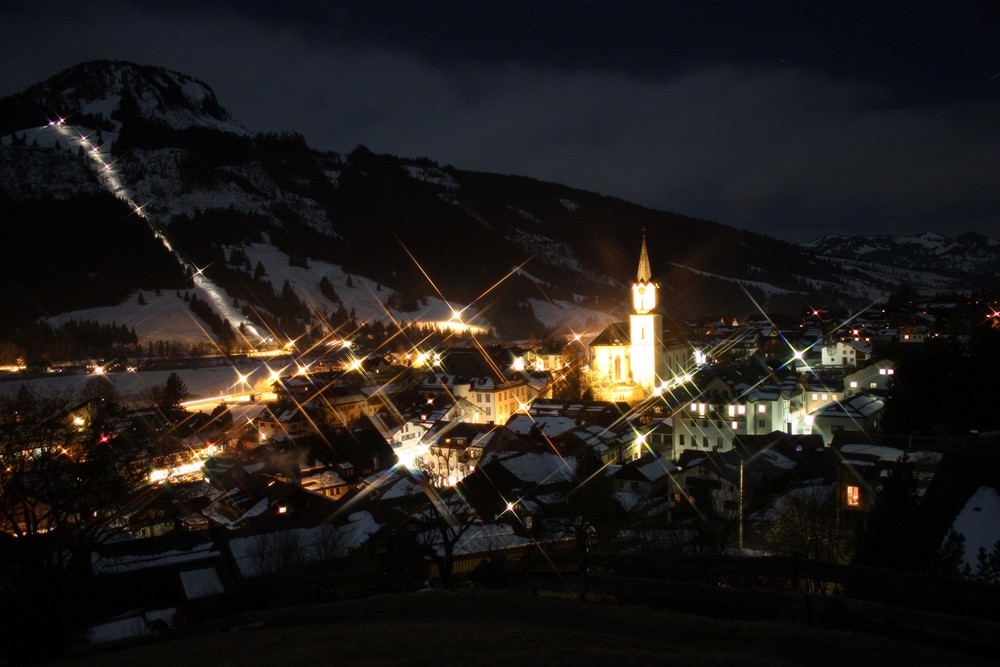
{"x": 107, "y": 93}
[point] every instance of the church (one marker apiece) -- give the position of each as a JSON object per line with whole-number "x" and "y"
{"x": 628, "y": 360}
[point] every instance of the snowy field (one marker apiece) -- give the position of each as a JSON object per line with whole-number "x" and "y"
{"x": 201, "y": 382}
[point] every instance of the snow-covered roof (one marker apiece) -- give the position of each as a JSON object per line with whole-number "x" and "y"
{"x": 880, "y": 452}
{"x": 656, "y": 469}
{"x": 201, "y": 583}
{"x": 522, "y": 424}
{"x": 142, "y": 561}
{"x": 535, "y": 468}
{"x": 776, "y": 459}
{"x": 859, "y": 406}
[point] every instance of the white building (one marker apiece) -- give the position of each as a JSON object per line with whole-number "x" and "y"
{"x": 848, "y": 354}
{"x": 712, "y": 426}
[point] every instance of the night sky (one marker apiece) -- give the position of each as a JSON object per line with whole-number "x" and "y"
{"x": 793, "y": 119}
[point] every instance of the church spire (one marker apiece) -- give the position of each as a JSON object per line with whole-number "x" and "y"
{"x": 644, "y": 274}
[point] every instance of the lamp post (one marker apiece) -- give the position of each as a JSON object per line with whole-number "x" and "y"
{"x": 741, "y": 507}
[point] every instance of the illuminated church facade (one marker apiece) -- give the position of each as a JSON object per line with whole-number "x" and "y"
{"x": 630, "y": 360}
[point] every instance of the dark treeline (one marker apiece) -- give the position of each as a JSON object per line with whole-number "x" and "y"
{"x": 86, "y": 251}
{"x": 222, "y": 328}
{"x": 83, "y": 339}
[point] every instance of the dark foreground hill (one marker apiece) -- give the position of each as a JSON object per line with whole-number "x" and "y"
{"x": 477, "y": 627}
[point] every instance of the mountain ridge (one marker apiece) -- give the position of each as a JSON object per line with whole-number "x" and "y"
{"x": 417, "y": 230}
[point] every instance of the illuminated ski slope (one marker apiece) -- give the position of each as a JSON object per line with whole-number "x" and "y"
{"x": 111, "y": 180}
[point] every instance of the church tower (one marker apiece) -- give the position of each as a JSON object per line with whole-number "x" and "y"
{"x": 647, "y": 356}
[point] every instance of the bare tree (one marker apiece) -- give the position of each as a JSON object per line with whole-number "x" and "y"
{"x": 276, "y": 552}
{"x": 441, "y": 525}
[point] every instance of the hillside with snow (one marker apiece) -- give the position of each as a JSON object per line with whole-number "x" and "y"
{"x": 250, "y": 221}
{"x": 932, "y": 258}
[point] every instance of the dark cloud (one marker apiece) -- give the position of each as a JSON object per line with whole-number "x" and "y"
{"x": 793, "y": 124}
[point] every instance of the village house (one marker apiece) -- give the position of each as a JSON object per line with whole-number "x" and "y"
{"x": 712, "y": 427}
{"x": 864, "y": 465}
{"x": 719, "y": 482}
{"x": 280, "y": 421}
{"x": 454, "y": 449}
{"x": 860, "y": 412}
{"x": 488, "y": 380}
{"x": 343, "y": 406}
{"x": 845, "y": 354}
{"x": 817, "y": 392}
{"x": 873, "y": 378}
{"x": 411, "y": 431}
{"x": 647, "y": 476}
{"x": 913, "y": 334}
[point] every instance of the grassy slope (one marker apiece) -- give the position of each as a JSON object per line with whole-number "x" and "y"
{"x": 491, "y": 628}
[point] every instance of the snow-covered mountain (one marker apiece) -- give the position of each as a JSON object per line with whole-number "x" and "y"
{"x": 135, "y": 179}
{"x": 966, "y": 256}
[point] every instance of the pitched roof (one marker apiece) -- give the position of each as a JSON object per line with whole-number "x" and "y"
{"x": 614, "y": 334}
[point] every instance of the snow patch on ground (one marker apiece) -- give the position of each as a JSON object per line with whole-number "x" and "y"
{"x": 548, "y": 250}
{"x": 766, "y": 288}
{"x": 163, "y": 317}
{"x": 558, "y": 313}
{"x": 979, "y": 522}
{"x": 432, "y": 175}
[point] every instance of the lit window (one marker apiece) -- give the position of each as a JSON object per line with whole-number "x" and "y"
{"x": 873, "y": 385}
{"x": 741, "y": 409}
{"x": 826, "y": 397}
{"x": 891, "y": 371}
{"x": 734, "y": 425}
{"x": 881, "y": 371}
{"x": 701, "y": 408}
{"x": 694, "y": 407}
{"x": 853, "y": 496}
{"x": 761, "y": 408}
{"x": 815, "y": 397}
{"x": 732, "y": 410}
{"x": 854, "y": 384}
